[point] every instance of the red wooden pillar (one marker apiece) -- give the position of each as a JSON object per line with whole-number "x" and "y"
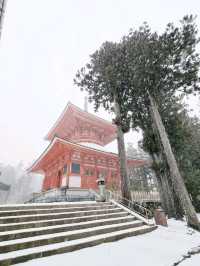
{"x": 59, "y": 179}
{"x": 95, "y": 172}
{"x": 44, "y": 183}
{"x": 82, "y": 171}
{"x": 107, "y": 178}
{"x": 69, "y": 161}
{"x": 53, "y": 177}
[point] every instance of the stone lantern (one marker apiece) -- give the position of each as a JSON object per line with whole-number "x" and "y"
{"x": 101, "y": 185}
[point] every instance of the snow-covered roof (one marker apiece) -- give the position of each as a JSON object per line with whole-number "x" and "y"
{"x": 107, "y": 148}
{"x": 36, "y": 165}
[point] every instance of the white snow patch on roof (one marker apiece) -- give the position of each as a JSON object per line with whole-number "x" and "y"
{"x": 107, "y": 148}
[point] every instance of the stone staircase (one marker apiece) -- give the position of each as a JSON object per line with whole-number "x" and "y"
{"x": 31, "y": 231}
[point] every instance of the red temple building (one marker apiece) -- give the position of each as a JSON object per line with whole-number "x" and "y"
{"x": 76, "y": 155}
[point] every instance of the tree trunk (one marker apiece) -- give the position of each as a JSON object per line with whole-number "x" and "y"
{"x": 2, "y": 11}
{"x": 122, "y": 154}
{"x": 163, "y": 198}
{"x": 177, "y": 205}
{"x": 177, "y": 180}
{"x": 164, "y": 189}
{"x": 176, "y": 210}
{"x": 172, "y": 202}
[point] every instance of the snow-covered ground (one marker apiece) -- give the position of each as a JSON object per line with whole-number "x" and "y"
{"x": 161, "y": 247}
{"x": 193, "y": 261}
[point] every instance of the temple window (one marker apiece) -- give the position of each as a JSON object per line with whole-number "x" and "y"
{"x": 89, "y": 172}
{"x": 113, "y": 174}
{"x": 76, "y": 155}
{"x": 103, "y": 172}
{"x": 75, "y": 168}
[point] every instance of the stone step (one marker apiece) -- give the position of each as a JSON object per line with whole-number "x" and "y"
{"x": 69, "y": 246}
{"x": 19, "y": 234}
{"x": 33, "y": 206}
{"x": 44, "y": 223}
{"x": 27, "y": 218}
{"x": 54, "y": 210}
{"x": 13, "y": 245}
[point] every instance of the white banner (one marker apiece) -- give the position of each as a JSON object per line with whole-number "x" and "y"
{"x": 74, "y": 181}
{"x": 64, "y": 181}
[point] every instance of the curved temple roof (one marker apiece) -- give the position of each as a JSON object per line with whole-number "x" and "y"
{"x": 78, "y": 125}
{"x": 55, "y": 147}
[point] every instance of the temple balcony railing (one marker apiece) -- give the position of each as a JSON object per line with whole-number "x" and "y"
{"x": 143, "y": 196}
{"x": 62, "y": 195}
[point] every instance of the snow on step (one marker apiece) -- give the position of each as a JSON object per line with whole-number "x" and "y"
{"x": 60, "y": 213}
{"x": 50, "y": 204}
{"x": 73, "y": 243}
{"x": 54, "y": 209}
{"x": 63, "y": 219}
{"x": 49, "y": 234}
{"x": 93, "y": 222}
{"x": 69, "y": 233}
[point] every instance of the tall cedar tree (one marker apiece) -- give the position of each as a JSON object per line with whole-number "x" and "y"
{"x": 169, "y": 111}
{"x": 105, "y": 80}
{"x": 136, "y": 73}
{"x": 184, "y": 135}
{"x": 161, "y": 66}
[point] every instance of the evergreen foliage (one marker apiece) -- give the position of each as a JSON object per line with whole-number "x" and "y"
{"x": 147, "y": 73}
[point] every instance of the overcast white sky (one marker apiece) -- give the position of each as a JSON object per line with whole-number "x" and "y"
{"x": 44, "y": 43}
